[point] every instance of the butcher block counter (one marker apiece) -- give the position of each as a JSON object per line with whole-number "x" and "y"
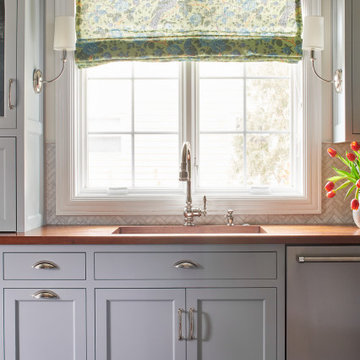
{"x": 178, "y": 234}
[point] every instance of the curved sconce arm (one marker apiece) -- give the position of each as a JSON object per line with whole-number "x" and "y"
{"x": 337, "y": 80}
{"x": 39, "y": 81}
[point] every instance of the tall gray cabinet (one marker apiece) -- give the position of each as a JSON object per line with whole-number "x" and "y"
{"x": 21, "y": 125}
{"x": 8, "y": 76}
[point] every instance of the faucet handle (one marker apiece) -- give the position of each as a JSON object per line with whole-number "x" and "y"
{"x": 229, "y": 217}
{"x": 204, "y": 211}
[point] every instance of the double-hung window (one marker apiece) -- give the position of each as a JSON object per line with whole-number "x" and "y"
{"x": 253, "y": 129}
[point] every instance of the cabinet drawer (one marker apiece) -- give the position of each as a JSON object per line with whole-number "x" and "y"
{"x": 207, "y": 265}
{"x": 44, "y": 266}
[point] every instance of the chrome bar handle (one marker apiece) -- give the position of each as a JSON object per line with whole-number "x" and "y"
{"x": 45, "y": 294}
{"x": 180, "y": 311}
{"x": 327, "y": 259}
{"x": 11, "y": 106}
{"x": 191, "y": 314}
{"x": 185, "y": 264}
{"x": 45, "y": 265}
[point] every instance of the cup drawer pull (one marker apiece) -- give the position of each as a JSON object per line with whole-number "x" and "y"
{"x": 45, "y": 265}
{"x": 45, "y": 294}
{"x": 185, "y": 264}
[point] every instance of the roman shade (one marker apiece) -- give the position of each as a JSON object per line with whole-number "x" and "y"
{"x": 172, "y": 30}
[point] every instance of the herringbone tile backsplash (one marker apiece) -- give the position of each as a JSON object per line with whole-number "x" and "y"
{"x": 334, "y": 211}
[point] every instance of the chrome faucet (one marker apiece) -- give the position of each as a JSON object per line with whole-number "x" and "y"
{"x": 185, "y": 175}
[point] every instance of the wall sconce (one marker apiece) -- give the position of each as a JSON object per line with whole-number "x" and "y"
{"x": 313, "y": 39}
{"x": 64, "y": 40}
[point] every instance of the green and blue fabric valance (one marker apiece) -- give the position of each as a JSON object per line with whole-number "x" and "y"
{"x": 172, "y": 30}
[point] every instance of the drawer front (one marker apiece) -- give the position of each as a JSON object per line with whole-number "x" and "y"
{"x": 200, "y": 265}
{"x": 44, "y": 266}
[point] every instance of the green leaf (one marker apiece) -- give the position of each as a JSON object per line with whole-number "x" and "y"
{"x": 354, "y": 173}
{"x": 347, "y": 175}
{"x": 350, "y": 191}
{"x": 357, "y": 194}
{"x": 345, "y": 161}
{"x": 334, "y": 179}
{"x": 344, "y": 185}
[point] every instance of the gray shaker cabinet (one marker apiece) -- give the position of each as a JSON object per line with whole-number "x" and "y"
{"x": 232, "y": 324}
{"x": 140, "y": 324}
{"x": 163, "y": 302}
{"x": 44, "y": 328}
{"x": 137, "y": 324}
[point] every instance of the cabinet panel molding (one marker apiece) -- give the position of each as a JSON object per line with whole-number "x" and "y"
{"x": 7, "y": 184}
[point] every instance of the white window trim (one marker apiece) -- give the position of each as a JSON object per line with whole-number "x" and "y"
{"x": 67, "y": 203}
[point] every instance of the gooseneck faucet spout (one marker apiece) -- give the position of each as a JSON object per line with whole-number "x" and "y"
{"x": 185, "y": 170}
{"x": 185, "y": 175}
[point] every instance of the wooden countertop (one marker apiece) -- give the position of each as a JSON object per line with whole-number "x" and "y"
{"x": 270, "y": 234}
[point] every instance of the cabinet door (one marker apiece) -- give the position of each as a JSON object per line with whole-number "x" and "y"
{"x": 8, "y": 21}
{"x": 232, "y": 324}
{"x": 43, "y": 329}
{"x": 7, "y": 185}
{"x": 139, "y": 324}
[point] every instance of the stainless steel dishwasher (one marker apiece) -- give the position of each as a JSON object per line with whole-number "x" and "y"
{"x": 323, "y": 303}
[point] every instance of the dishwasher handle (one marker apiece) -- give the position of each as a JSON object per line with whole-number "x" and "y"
{"x": 327, "y": 259}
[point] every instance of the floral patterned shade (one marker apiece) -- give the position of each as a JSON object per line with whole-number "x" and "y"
{"x": 172, "y": 30}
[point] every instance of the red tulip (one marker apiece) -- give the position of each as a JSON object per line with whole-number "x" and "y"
{"x": 355, "y": 146}
{"x": 354, "y": 204}
{"x": 358, "y": 183}
{"x": 330, "y": 185}
{"x": 332, "y": 152}
{"x": 351, "y": 156}
{"x": 331, "y": 194}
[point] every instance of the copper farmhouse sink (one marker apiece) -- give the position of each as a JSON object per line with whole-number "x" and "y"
{"x": 197, "y": 229}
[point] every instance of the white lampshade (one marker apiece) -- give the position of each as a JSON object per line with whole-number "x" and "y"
{"x": 313, "y": 36}
{"x": 64, "y": 33}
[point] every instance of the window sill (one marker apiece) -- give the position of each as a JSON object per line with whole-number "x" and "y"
{"x": 173, "y": 205}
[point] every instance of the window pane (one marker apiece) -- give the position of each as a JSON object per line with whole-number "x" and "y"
{"x": 156, "y": 105}
{"x": 221, "y": 161}
{"x": 109, "y": 105}
{"x": 268, "y": 104}
{"x": 156, "y": 161}
{"x": 111, "y": 71}
{"x": 126, "y": 104}
{"x": 220, "y": 69}
{"x": 268, "y": 160}
{"x": 267, "y": 69}
{"x": 156, "y": 70}
{"x": 221, "y": 105}
{"x": 109, "y": 161}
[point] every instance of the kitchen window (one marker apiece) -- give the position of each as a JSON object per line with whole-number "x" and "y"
{"x": 246, "y": 132}
{"x": 254, "y": 130}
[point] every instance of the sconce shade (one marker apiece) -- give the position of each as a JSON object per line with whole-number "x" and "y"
{"x": 313, "y": 36}
{"x": 64, "y": 33}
